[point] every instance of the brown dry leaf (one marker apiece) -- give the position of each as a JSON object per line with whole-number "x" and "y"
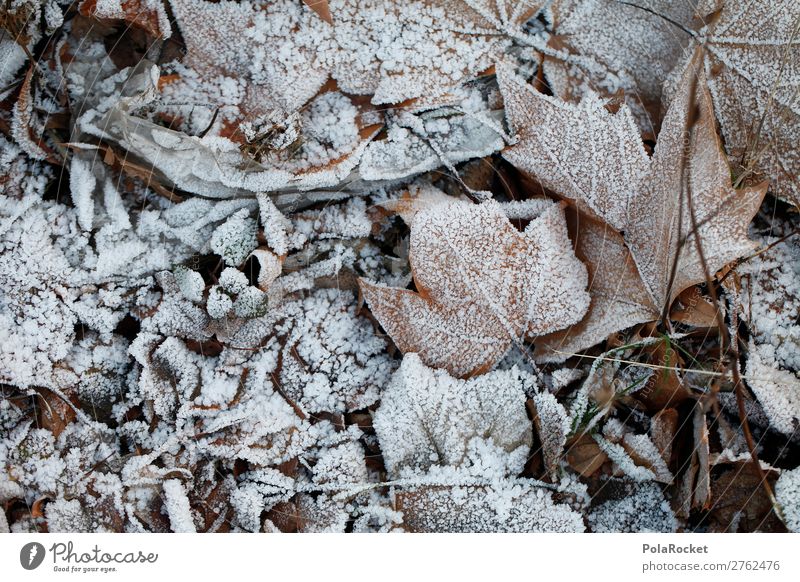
{"x": 693, "y": 308}
{"x": 647, "y": 202}
{"x": 585, "y": 456}
{"x": 752, "y": 58}
{"x": 665, "y": 387}
{"x": 54, "y": 413}
{"x": 613, "y": 47}
{"x": 694, "y": 491}
{"x": 619, "y": 298}
{"x": 740, "y": 503}
{"x": 481, "y": 285}
{"x": 322, "y": 9}
{"x": 663, "y": 428}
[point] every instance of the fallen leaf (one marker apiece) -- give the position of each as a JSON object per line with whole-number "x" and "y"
{"x": 552, "y": 425}
{"x": 740, "y": 503}
{"x": 510, "y": 505}
{"x": 613, "y": 47}
{"x": 585, "y": 456}
{"x": 663, "y": 428}
{"x": 322, "y": 9}
{"x": 751, "y": 54}
{"x": 481, "y": 286}
{"x": 665, "y": 386}
{"x": 648, "y": 204}
{"x": 410, "y": 420}
{"x": 693, "y": 308}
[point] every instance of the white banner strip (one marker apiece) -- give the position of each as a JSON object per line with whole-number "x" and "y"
{"x": 334, "y": 557}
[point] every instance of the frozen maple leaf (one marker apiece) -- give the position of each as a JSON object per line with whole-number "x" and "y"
{"x": 609, "y": 46}
{"x": 619, "y": 297}
{"x": 752, "y": 60}
{"x": 482, "y": 285}
{"x": 648, "y": 200}
{"x": 427, "y": 417}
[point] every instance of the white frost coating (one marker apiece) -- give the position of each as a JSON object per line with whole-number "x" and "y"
{"x": 787, "y": 490}
{"x": 753, "y": 52}
{"x": 233, "y": 280}
{"x": 219, "y": 303}
{"x": 510, "y": 505}
{"x": 177, "y": 505}
{"x": 552, "y": 426}
{"x": 82, "y": 184}
{"x": 446, "y": 136}
{"x": 642, "y": 510}
{"x": 332, "y": 359}
{"x": 777, "y": 390}
{"x": 622, "y": 461}
{"x": 190, "y": 283}
{"x": 235, "y": 239}
{"x": 428, "y": 418}
{"x": 251, "y": 302}
{"x": 613, "y": 48}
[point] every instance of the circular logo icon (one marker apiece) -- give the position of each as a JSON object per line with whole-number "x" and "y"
{"x": 31, "y": 555}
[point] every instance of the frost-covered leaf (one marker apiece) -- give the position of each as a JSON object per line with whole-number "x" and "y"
{"x": 568, "y": 148}
{"x": 660, "y": 231}
{"x": 427, "y": 418}
{"x": 245, "y": 75}
{"x": 619, "y": 297}
{"x": 235, "y": 239}
{"x": 398, "y": 51}
{"x": 777, "y": 390}
{"x": 481, "y": 286}
{"x": 443, "y": 136}
{"x": 649, "y": 202}
{"x": 552, "y": 426}
{"x": 637, "y": 452}
{"x": 177, "y": 505}
{"x": 508, "y": 506}
{"x": 612, "y": 47}
{"x": 639, "y": 508}
{"x": 36, "y": 319}
{"x": 752, "y": 60}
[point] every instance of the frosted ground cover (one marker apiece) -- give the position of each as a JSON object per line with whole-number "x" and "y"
{"x": 371, "y": 266}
